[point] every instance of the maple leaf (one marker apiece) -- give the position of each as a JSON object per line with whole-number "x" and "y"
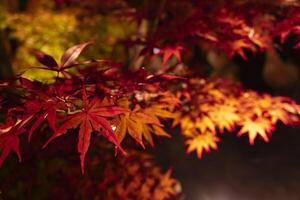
{"x": 203, "y": 124}
{"x": 71, "y": 54}
{"x": 48, "y": 110}
{"x": 238, "y": 47}
{"x": 35, "y": 111}
{"x": 186, "y": 124}
{"x": 68, "y": 59}
{"x": 170, "y": 51}
{"x": 224, "y": 116}
{"x": 159, "y": 110}
{"x": 45, "y": 59}
{"x": 91, "y": 118}
{"x": 260, "y": 127}
{"x": 282, "y": 109}
{"x": 165, "y": 188}
{"x": 9, "y": 140}
{"x": 140, "y": 123}
{"x": 202, "y": 142}
{"x": 267, "y": 110}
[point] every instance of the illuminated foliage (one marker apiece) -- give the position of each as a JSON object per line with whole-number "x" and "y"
{"x": 202, "y": 142}
{"x": 97, "y": 102}
{"x": 137, "y": 79}
{"x": 219, "y": 106}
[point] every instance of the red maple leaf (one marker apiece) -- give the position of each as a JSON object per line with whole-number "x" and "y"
{"x": 9, "y": 140}
{"x": 170, "y": 51}
{"x": 68, "y": 59}
{"x": 49, "y": 112}
{"x": 91, "y": 118}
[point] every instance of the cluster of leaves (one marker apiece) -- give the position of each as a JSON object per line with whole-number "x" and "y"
{"x": 98, "y": 98}
{"x": 110, "y": 99}
{"x": 101, "y": 98}
{"x": 230, "y": 25}
{"x": 218, "y": 106}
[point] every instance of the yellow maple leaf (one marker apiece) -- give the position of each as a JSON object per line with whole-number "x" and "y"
{"x": 224, "y": 116}
{"x": 260, "y": 127}
{"x": 142, "y": 123}
{"x": 283, "y": 110}
{"x": 202, "y": 142}
{"x": 159, "y": 110}
{"x": 204, "y": 124}
{"x": 187, "y": 126}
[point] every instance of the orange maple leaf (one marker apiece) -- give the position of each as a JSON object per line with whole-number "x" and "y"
{"x": 140, "y": 123}
{"x": 170, "y": 51}
{"x": 224, "y": 116}
{"x": 166, "y": 187}
{"x": 260, "y": 127}
{"x": 202, "y": 142}
{"x": 238, "y": 47}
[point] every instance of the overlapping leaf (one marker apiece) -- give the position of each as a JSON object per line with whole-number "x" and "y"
{"x": 214, "y": 108}
{"x": 68, "y": 59}
{"x": 140, "y": 123}
{"x": 93, "y": 117}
